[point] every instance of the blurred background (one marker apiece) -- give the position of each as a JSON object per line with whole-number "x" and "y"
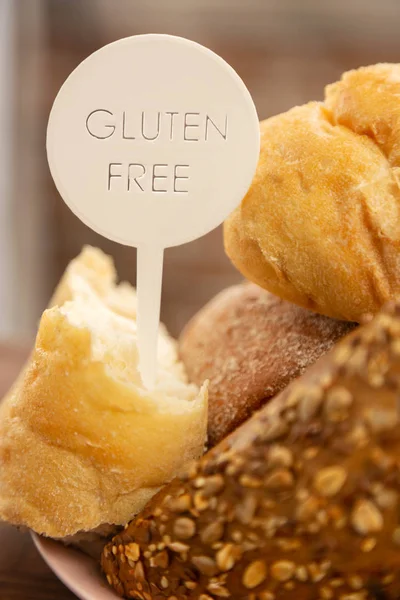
{"x": 284, "y": 50}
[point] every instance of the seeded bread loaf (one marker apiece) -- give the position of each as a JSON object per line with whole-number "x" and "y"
{"x": 301, "y": 502}
{"x": 250, "y": 344}
{"x": 320, "y": 224}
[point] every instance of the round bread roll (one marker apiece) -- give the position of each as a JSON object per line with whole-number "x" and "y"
{"x": 250, "y": 344}
{"x": 320, "y": 224}
{"x": 83, "y": 444}
{"x": 301, "y": 502}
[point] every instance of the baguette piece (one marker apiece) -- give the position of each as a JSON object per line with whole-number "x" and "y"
{"x": 250, "y": 344}
{"x": 320, "y": 224}
{"x": 301, "y": 502}
{"x": 94, "y": 272}
{"x": 82, "y": 444}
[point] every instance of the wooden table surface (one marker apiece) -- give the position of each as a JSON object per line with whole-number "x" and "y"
{"x": 23, "y": 574}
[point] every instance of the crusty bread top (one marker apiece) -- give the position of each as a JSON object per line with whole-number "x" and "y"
{"x": 320, "y": 224}
{"x": 250, "y": 344}
{"x": 81, "y": 442}
{"x": 366, "y": 101}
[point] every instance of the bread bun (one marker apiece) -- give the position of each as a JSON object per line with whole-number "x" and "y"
{"x": 250, "y": 344}
{"x": 82, "y": 443}
{"x": 320, "y": 224}
{"x": 302, "y": 501}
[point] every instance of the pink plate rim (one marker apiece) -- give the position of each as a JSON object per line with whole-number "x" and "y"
{"x": 78, "y": 572}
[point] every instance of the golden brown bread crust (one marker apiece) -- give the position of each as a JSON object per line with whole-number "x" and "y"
{"x": 82, "y": 444}
{"x": 250, "y": 344}
{"x": 302, "y": 501}
{"x": 320, "y": 224}
{"x": 366, "y": 101}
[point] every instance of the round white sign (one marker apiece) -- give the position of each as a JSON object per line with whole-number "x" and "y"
{"x": 153, "y": 140}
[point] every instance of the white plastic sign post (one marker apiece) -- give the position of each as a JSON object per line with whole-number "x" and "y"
{"x": 152, "y": 141}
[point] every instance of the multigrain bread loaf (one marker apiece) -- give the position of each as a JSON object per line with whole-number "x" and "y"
{"x": 82, "y": 444}
{"x": 250, "y": 344}
{"x": 320, "y": 224}
{"x": 302, "y": 501}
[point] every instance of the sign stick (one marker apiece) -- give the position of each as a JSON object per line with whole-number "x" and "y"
{"x": 149, "y": 285}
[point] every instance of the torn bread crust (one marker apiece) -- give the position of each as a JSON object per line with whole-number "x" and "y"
{"x": 81, "y": 442}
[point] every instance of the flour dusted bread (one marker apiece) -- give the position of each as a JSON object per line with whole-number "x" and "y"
{"x": 320, "y": 224}
{"x": 82, "y": 443}
{"x": 250, "y": 344}
{"x": 301, "y": 502}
